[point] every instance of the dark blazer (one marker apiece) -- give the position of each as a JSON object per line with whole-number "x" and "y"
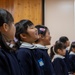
{"x": 67, "y": 61}
{"x": 72, "y": 62}
{"x": 44, "y": 61}
{"x": 27, "y": 60}
{"x": 60, "y": 66}
{"x": 8, "y": 63}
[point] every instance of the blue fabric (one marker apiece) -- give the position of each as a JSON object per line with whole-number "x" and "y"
{"x": 28, "y": 64}
{"x": 60, "y": 67}
{"x": 9, "y": 64}
{"x": 46, "y": 68}
{"x": 72, "y": 62}
{"x": 67, "y": 61}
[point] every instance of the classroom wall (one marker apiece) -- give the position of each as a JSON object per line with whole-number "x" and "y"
{"x": 24, "y": 9}
{"x": 60, "y": 18}
{"x": 8, "y": 5}
{"x": 29, "y": 9}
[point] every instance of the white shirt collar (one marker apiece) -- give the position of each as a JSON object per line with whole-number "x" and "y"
{"x": 72, "y": 53}
{"x": 10, "y": 45}
{"x": 57, "y": 56}
{"x": 40, "y": 46}
{"x": 27, "y": 45}
{"x": 68, "y": 48}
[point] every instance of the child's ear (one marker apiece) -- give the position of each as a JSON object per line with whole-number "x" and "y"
{"x": 58, "y": 51}
{"x": 23, "y": 36}
{"x": 5, "y": 27}
{"x": 72, "y": 49}
{"x": 39, "y": 35}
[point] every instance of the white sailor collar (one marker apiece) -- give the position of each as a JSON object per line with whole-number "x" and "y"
{"x": 27, "y": 45}
{"x": 57, "y": 56}
{"x": 72, "y": 53}
{"x": 40, "y": 46}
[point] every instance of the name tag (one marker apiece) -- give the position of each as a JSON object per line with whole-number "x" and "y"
{"x": 40, "y": 61}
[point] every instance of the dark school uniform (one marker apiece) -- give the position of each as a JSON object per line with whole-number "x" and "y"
{"x": 72, "y": 61}
{"x": 28, "y": 64}
{"x": 67, "y": 61}
{"x": 8, "y": 63}
{"x": 43, "y": 60}
{"x": 59, "y": 65}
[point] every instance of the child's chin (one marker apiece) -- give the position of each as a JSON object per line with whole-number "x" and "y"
{"x": 49, "y": 44}
{"x": 37, "y": 37}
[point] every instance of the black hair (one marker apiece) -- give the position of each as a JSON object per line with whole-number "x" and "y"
{"x": 72, "y": 46}
{"x": 5, "y": 17}
{"x": 41, "y": 30}
{"x": 51, "y": 52}
{"x": 63, "y": 39}
{"x": 53, "y": 49}
{"x": 21, "y": 27}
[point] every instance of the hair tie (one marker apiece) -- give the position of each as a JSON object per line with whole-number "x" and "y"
{"x": 54, "y": 51}
{"x": 42, "y": 29}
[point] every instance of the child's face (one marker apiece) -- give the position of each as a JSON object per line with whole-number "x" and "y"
{"x": 12, "y": 31}
{"x": 47, "y": 38}
{"x": 32, "y": 34}
{"x": 62, "y": 52}
{"x": 67, "y": 43}
{"x": 8, "y": 31}
{"x": 73, "y": 49}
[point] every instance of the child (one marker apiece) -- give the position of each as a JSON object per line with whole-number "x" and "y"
{"x": 26, "y": 33}
{"x": 66, "y": 42}
{"x": 8, "y": 62}
{"x": 72, "y": 57}
{"x": 58, "y": 59}
{"x": 41, "y": 54}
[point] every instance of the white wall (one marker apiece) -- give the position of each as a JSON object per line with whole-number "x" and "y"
{"x": 60, "y": 18}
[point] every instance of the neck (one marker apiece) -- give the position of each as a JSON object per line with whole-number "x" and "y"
{"x": 41, "y": 43}
{"x": 6, "y": 38}
{"x": 27, "y": 42}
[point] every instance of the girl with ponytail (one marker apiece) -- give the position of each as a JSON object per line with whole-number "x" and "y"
{"x": 72, "y": 57}
{"x": 57, "y": 53}
{"x": 8, "y": 61}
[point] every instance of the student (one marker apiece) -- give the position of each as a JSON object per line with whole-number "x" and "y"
{"x": 8, "y": 62}
{"x": 58, "y": 59}
{"x": 72, "y": 57}
{"x": 41, "y": 54}
{"x": 26, "y": 33}
{"x": 66, "y": 42}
